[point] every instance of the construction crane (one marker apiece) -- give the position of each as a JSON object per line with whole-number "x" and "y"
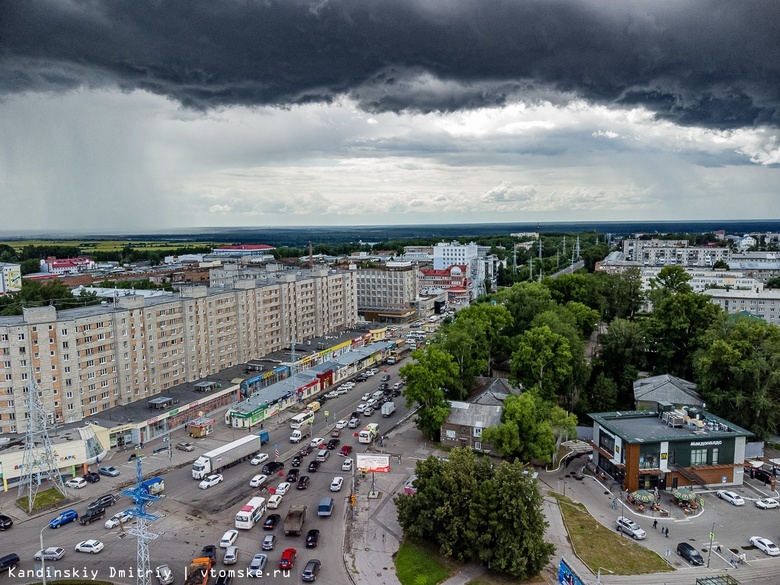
{"x": 141, "y": 498}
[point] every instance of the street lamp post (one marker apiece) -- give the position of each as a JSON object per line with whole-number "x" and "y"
{"x": 43, "y": 558}
{"x": 598, "y": 577}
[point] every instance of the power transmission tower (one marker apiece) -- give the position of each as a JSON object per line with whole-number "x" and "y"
{"x": 141, "y": 497}
{"x": 38, "y": 461}
{"x": 540, "y": 259}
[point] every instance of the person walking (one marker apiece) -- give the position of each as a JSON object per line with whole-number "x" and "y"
{"x": 667, "y": 532}
{"x": 655, "y": 524}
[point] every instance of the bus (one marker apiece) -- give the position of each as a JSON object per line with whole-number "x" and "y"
{"x": 250, "y": 513}
{"x": 299, "y": 420}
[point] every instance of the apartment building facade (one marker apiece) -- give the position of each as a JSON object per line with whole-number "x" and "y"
{"x": 673, "y": 252}
{"x": 391, "y": 286}
{"x": 91, "y": 359}
{"x": 761, "y": 303}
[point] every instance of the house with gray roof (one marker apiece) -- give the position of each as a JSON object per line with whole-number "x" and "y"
{"x": 648, "y": 392}
{"x": 465, "y": 423}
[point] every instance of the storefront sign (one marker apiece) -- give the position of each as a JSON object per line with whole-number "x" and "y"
{"x": 706, "y": 443}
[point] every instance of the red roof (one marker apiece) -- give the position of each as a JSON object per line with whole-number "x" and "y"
{"x": 247, "y": 247}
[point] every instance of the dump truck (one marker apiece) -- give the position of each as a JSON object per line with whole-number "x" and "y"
{"x": 153, "y": 486}
{"x": 223, "y": 457}
{"x": 293, "y": 522}
{"x": 198, "y": 572}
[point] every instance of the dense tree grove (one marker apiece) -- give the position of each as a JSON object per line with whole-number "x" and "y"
{"x": 36, "y": 294}
{"x": 475, "y": 511}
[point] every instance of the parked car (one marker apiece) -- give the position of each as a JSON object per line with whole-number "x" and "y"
{"x": 185, "y": 447}
{"x": 332, "y": 394}
{"x": 258, "y": 480}
{"x": 310, "y": 570}
{"x": 210, "y": 481}
{"x": 312, "y": 538}
{"x": 730, "y": 497}
{"x": 5, "y": 522}
{"x": 164, "y": 575}
{"x": 257, "y": 566}
{"x": 92, "y": 477}
{"x": 303, "y": 482}
{"x": 231, "y": 555}
{"x": 272, "y": 467}
{"x": 690, "y": 554}
{"x": 64, "y": 518}
{"x": 628, "y": 526}
{"x": 90, "y": 546}
{"x": 271, "y": 522}
{"x": 333, "y": 443}
{"x": 53, "y": 553}
{"x": 288, "y": 558}
{"x": 76, "y": 483}
{"x": 117, "y": 519}
{"x": 274, "y": 501}
{"x": 259, "y": 458}
{"x": 269, "y": 542}
{"x": 767, "y": 504}
{"x": 108, "y": 470}
{"x": 335, "y": 485}
{"x": 765, "y": 545}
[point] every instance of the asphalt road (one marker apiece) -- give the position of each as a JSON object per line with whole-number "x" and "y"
{"x": 190, "y": 518}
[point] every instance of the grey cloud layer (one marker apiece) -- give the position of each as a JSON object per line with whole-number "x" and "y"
{"x": 709, "y": 63}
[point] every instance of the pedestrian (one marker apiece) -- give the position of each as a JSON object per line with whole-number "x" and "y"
{"x": 718, "y": 549}
{"x": 667, "y": 532}
{"x": 655, "y": 524}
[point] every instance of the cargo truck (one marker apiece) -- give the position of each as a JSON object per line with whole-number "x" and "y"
{"x": 264, "y": 437}
{"x": 299, "y": 434}
{"x": 198, "y": 572}
{"x": 388, "y": 408}
{"x": 223, "y": 457}
{"x": 153, "y": 486}
{"x": 293, "y": 522}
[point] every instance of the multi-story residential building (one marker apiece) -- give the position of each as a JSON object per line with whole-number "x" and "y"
{"x": 760, "y": 303}
{"x": 482, "y": 268}
{"x": 702, "y": 279}
{"x": 673, "y": 252}
{"x": 391, "y": 286}
{"x": 762, "y": 266}
{"x": 98, "y": 357}
{"x": 10, "y": 278}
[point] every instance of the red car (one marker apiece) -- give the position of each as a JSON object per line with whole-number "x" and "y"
{"x": 345, "y": 450}
{"x": 288, "y": 558}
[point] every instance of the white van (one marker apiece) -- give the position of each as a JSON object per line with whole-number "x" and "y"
{"x": 377, "y": 395}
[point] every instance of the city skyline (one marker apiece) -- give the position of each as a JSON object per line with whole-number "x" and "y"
{"x": 143, "y": 116}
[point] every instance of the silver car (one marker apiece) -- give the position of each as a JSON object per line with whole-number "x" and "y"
{"x": 164, "y": 574}
{"x": 628, "y": 526}
{"x": 231, "y": 555}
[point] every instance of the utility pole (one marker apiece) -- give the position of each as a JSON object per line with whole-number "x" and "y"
{"x": 140, "y": 531}
{"x": 540, "y": 258}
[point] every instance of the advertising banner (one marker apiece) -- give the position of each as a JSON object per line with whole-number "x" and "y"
{"x": 371, "y": 462}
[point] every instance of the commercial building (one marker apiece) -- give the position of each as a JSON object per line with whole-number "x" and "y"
{"x": 392, "y": 286}
{"x": 668, "y": 447}
{"x": 10, "y": 278}
{"x": 53, "y": 265}
{"x": 132, "y": 348}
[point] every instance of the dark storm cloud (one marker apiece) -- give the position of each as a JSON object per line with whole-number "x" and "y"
{"x": 710, "y": 63}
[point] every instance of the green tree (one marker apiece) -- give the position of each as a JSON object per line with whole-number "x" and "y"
{"x": 773, "y": 282}
{"x": 427, "y": 380}
{"x": 568, "y": 287}
{"x": 622, "y": 349}
{"x": 671, "y": 280}
{"x": 466, "y": 341}
{"x": 738, "y": 369}
{"x": 593, "y": 254}
{"x": 529, "y": 428}
{"x": 603, "y": 395}
{"x": 720, "y": 265}
{"x": 524, "y": 301}
{"x": 541, "y": 362}
{"x": 475, "y": 511}
{"x": 30, "y": 266}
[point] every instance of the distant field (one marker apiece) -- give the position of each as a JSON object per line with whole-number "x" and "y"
{"x": 108, "y": 245}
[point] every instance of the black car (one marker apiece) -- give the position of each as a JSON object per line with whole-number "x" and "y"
{"x": 396, "y": 393}
{"x": 310, "y": 570}
{"x": 272, "y": 467}
{"x": 92, "y": 477}
{"x": 303, "y": 482}
{"x": 305, "y": 450}
{"x": 386, "y": 377}
{"x": 5, "y": 522}
{"x": 312, "y": 538}
{"x": 384, "y": 386}
{"x": 296, "y": 462}
{"x": 209, "y": 551}
{"x": 271, "y": 522}
{"x": 387, "y": 392}
{"x": 361, "y": 378}
{"x": 103, "y": 501}
{"x": 224, "y": 578}
{"x": 689, "y": 553}
{"x": 333, "y": 443}
{"x": 356, "y": 414}
{"x": 292, "y": 476}
{"x": 313, "y": 466}
{"x": 91, "y": 515}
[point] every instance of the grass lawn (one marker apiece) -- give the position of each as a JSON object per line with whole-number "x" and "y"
{"x": 43, "y": 501}
{"x": 420, "y": 564}
{"x": 88, "y": 246}
{"x": 491, "y": 579}
{"x": 599, "y": 546}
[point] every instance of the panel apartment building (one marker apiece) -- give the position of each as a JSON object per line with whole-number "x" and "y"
{"x": 673, "y": 252}
{"x": 391, "y": 286}
{"x": 95, "y": 358}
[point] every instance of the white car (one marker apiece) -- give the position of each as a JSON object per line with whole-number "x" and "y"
{"x": 341, "y": 390}
{"x": 316, "y": 442}
{"x": 767, "y": 504}
{"x": 283, "y": 488}
{"x": 274, "y": 501}
{"x": 628, "y": 526}
{"x": 730, "y": 497}
{"x": 228, "y": 539}
{"x": 348, "y": 385}
{"x": 765, "y": 545}
{"x": 89, "y": 546}
{"x": 353, "y": 423}
{"x": 257, "y": 480}
{"x": 76, "y": 483}
{"x": 259, "y": 458}
{"x": 117, "y": 519}
{"x": 332, "y": 394}
{"x": 231, "y": 556}
{"x": 366, "y": 396}
{"x": 211, "y": 480}
{"x": 371, "y": 372}
{"x": 347, "y": 465}
{"x": 360, "y": 407}
{"x": 335, "y": 485}
{"x": 341, "y": 424}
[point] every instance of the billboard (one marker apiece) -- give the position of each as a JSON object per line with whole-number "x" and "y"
{"x": 566, "y": 575}
{"x": 371, "y": 462}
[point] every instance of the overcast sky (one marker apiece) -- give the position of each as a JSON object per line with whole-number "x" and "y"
{"x": 143, "y": 115}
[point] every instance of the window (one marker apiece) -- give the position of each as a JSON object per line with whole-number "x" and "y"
{"x": 698, "y": 457}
